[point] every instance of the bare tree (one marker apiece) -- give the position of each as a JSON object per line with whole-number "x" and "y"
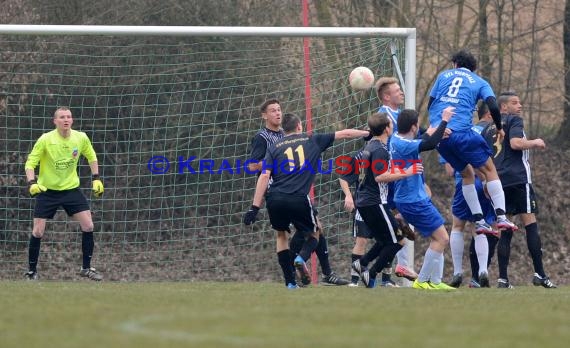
{"x": 563, "y": 138}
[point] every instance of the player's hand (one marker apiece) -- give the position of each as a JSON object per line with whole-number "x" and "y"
{"x": 98, "y": 188}
{"x": 35, "y": 188}
{"x": 538, "y": 143}
{"x": 251, "y": 215}
{"x": 500, "y": 136}
{"x": 416, "y": 168}
{"x": 348, "y": 204}
{"x": 368, "y": 137}
{"x": 447, "y": 113}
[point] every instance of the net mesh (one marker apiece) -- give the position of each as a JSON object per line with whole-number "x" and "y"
{"x": 194, "y": 103}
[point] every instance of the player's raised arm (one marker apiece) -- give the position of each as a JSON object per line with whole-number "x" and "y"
{"x": 351, "y": 134}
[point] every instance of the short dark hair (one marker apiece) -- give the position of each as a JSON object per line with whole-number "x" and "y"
{"x": 406, "y": 119}
{"x": 464, "y": 59}
{"x": 290, "y": 122}
{"x": 60, "y": 108}
{"x": 482, "y": 109}
{"x": 378, "y": 122}
{"x": 505, "y": 96}
{"x": 263, "y": 107}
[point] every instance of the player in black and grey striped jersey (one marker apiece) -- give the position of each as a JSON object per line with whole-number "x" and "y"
{"x": 513, "y": 167}
{"x": 360, "y": 232}
{"x": 263, "y": 139}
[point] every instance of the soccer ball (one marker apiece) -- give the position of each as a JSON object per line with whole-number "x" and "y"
{"x": 361, "y": 78}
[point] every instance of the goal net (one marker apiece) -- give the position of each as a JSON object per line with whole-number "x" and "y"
{"x": 171, "y": 112}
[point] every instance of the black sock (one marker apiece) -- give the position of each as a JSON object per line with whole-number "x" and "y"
{"x": 354, "y": 257}
{"x": 87, "y": 246}
{"x": 34, "y": 253}
{"x": 286, "y": 263}
{"x": 296, "y": 243}
{"x": 308, "y": 247}
{"x": 535, "y": 248}
{"x": 386, "y": 255}
{"x": 371, "y": 254}
{"x": 323, "y": 255}
{"x": 473, "y": 261}
{"x": 504, "y": 253}
{"x": 492, "y": 240}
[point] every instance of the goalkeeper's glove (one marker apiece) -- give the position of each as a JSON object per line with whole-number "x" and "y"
{"x": 35, "y": 188}
{"x": 251, "y": 215}
{"x": 97, "y": 186}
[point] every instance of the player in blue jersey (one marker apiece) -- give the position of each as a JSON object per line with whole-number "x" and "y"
{"x": 482, "y": 244}
{"x": 411, "y": 198}
{"x": 292, "y": 164}
{"x": 391, "y": 97}
{"x": 461, "y": 88}
{"x": 514, "y": 170}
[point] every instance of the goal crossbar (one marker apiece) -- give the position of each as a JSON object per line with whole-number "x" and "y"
{"x": 408, "y": 33}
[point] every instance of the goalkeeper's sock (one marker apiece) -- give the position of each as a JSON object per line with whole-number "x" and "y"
{"x": 323, "y": 255}
{"x": 34, "y": 253}
{"x": 308, "y": 247}
{"x": 286, "y": 262}
{"x": 87, "y": 246}
{"x": 504, "y": 253}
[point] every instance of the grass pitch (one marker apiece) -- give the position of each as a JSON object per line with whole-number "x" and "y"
{"x": 195, "y": 314}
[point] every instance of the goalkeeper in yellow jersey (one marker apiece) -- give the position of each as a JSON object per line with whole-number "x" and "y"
{"x": 57, "y": 153}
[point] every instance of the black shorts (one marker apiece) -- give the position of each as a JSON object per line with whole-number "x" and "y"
{"x": 520, "y": 199}
{"x": 47, "y": 203}
{"x": 285, "y": 210}
{"x": 381, "y": 223}
{"x": 360, "y": 229}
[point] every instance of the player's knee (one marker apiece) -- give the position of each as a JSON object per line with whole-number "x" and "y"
{"x": 37, "y": 233}
{"x": 87, "y": 226}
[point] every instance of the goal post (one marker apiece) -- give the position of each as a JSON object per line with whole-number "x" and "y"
{"x": 171, "y": 112}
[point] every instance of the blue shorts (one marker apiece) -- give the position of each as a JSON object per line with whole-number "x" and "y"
{"x": 460, "y": 209}
{"x": 423, "y": 215}
{"x": 463, "y": 148}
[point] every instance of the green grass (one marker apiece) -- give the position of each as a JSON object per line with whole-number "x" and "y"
{"x": 83, "y": 314}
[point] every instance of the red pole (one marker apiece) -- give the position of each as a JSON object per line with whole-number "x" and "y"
{"x": 308, "y": 111}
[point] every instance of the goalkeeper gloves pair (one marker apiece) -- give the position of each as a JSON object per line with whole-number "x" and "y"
{"x": 35, "y": 188}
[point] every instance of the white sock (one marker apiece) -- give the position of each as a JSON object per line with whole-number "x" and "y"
{"x": 470, "y": 195}
{"x": 497, "y": 194}
{"x": 402, "y": 256}
{"x": 431, "y": 263}
{"x": 482, "y": 250}
{"x": 438, "y": 270}
{"x": 456, "y": 244}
